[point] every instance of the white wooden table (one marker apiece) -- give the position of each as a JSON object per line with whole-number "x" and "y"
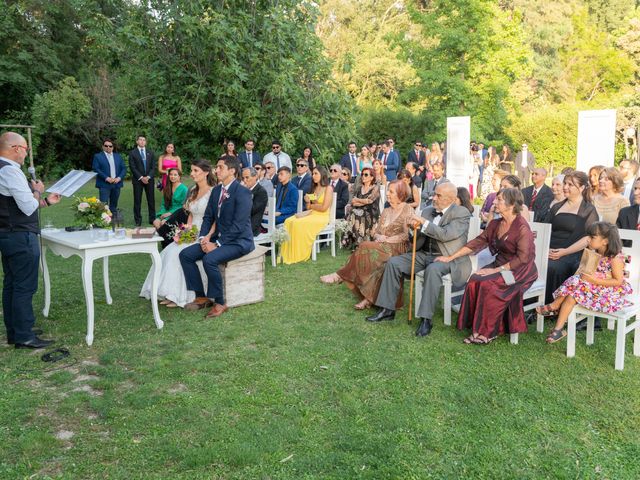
{"x": 88, "y": 248}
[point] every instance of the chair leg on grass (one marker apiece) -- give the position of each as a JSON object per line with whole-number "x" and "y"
{"x": 620, "y": 337}
{"x": 571, "y": 335}
{"x": 636, "y": 340}
{"x": 513, "y": 338}
{"x": 590, "y": 329}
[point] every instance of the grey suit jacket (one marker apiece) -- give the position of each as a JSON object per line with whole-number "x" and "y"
{"x": 429, "y": 190}
{"x": 450, "y": 235}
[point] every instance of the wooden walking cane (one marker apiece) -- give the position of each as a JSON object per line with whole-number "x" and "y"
{"x": 413, "y": 270}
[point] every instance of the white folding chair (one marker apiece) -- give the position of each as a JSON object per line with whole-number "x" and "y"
{"x": 269, "y": 222}
{"x": 328, "y": 233}
{"x": 619, "y": 318}
{"x": 419, "y": 207}
{"x": 383, "y": 197}
{"x": 300, "y": 199}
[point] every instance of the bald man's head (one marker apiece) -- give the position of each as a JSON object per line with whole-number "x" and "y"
{"x": 445, "y": 195}
{"x": 538, "y": 176}
{"x": 13, "y": 146}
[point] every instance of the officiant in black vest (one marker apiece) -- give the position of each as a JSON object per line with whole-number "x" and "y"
{"x": 19, "y": 229}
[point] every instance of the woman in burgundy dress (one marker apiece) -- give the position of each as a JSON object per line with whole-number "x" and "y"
{"x": 492, "y": 302}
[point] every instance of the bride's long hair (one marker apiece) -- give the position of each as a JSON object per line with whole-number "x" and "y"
{"x": 205, "y": 166}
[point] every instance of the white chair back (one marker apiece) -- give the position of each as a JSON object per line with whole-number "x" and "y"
{"x": 300, "y": 200}
{"x": 383, "y": 196}
{"x": 328, "y": 233}
{"x": 269, "y": 223}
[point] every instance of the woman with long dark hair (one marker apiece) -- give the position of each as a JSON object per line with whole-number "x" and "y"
{"x": 307, "y": 156}
{"x": 173, "y": 196}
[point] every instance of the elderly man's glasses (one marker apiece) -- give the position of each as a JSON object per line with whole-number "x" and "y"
{"x": 300, "y": 165}
{"x": 334, "y": 170}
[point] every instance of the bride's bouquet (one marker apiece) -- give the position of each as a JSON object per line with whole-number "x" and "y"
{"x": 183, "y": 234}
{"x": 91, "y": 212}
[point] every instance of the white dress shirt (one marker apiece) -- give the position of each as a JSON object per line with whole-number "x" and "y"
{"x": 13, "y": 183}
{"x": 282, "y": 160}
{"x": 435, "y": 221}
{"x": 112, "y": 165}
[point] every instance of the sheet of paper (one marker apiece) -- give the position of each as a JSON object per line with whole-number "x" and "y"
{"x": 71, "y": 182}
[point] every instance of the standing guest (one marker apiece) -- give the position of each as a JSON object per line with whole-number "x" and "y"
{"x": 364, "y": 213}
{"x": 492, "y": 302}
{"x": 173, "y": 196}
{"x": 19, "y": 244}
{"x": 141, "y": 164}
{"x": 259, "y": 198}
{"x": 350, "y": 160}
{"x": 396, "y": 153}
{"x": 365, "y": 159}
{"x": 602, "y": 291}
{"x": 111, "y": 170}
{"x": 506, "y": 159}
{"x": 389, "y": 160}
{"x": 305, "y": 226}
{"x": 226, "y": 235}
{"x": 302, "y": 181}
{"x": 537, "y": 197}
{"x": 307, "y": 156}
{"x": 629, "y": 171}
{"x": 262, "y": 180}
{"x": 168, "y": 160}
{"x": 341, "y": 188}
{"x": 172, "y": 285}
{"x": 419, "y": 157}
{"x": 594, "y": 179}
{"x": 414, "y": 171}
{"x": 379, "y": 176}
{"x": 286, "y": 196}
{"x": 609, "y": 200}
{"x": 414, "y": 197}
{"x": 277, "y": 156}
{"x": 373, "y": 149}
{"x": 557, "y": 190}
{"x": 491, "y": 161}
{"x": 525, "y": 163}
{"x": 249, "y": 158}
{"x": 444, "y": 229}
{"x": 429, "y": 190}
{"x": 498, "y": 175}
{"x": 435, "y": 155}
{"x": 474, "y": 175}
{"x": 229, "y": 149}
{"x": 629, "y": 217}
{"x": 464, "y": 199}
{"x": 271, "y": 174}
{"x": 482, "y": 154}
{"x": 569, "y": 221}
{"x": 363, "y": 271}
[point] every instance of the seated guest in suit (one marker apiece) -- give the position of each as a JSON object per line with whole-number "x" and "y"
{"x": 226, "y": 235}
{"x": 174, "y": 194}
{"x": 557, "y": 189}
{"x": 305, "y": 226}
{"x": 341, "y": 187}
{"x": 286, "y": 196}
{"x": 414, "y": 197}
{"x": 307, "y": 157}
{"x": 111, "y": 170}
{"x": 492, "y": 303}
{"x": 412, "y": 167}
{"x": 303, "y": 180}
{"x": 444, "y": 229}
{"x": 249, "y": 158}
{"x": 609, "y": 199}
{"x": 350, "y": 160}
{"x": 270, "y": 173}
{"x": 363, "y": 271}
{"x": 429, "y": 189}
{"x": 265, "y": 183}
{"x": 364, "y": 212}
{"x": 538, "y": 196}
{"x": 259, "y": 198}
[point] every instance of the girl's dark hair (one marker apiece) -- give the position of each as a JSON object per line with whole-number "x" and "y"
{"x": 311, "y": 161}
{"x": 324, "y": 178}
{"x": 167, "y": 191}
{"x": 580, "y": 179}
{"x": 404, "y": 173}
{"x": 611, "y": 233}
{"x": 513, "y": 181}
{"x": 205, "y": 166}
{"x": 465, "y": 199}
{"x": 226, "y": 150}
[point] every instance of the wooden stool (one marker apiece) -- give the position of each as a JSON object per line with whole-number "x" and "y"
{"x": 243, "y": 278}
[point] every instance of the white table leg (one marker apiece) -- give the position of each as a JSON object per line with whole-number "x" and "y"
{"x": 87, "y": 283}
{"x": 47, "y": 281}
{"x": 105, "y": 275}
{"x": 157, "y": 266}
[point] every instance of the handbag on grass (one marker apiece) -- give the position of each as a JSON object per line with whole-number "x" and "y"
{"x": 589, "y": 262}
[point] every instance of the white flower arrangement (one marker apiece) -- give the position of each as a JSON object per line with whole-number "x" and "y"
{"x": 280, "y": 235}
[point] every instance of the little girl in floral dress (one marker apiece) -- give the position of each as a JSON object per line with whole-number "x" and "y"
{"x": 603, "y": 291}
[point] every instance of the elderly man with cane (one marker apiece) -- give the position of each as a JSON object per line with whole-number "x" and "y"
{"x": 442, "y": 228}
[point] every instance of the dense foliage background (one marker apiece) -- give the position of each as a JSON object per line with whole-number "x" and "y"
{"x": 196, "y": 72}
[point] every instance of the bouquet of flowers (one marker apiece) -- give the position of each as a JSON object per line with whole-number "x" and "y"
{"x": 91, "y": 212}
{"x": 280, "y": 235}
{"x": 184, "y": 234}
{"x": 342, "y": 227}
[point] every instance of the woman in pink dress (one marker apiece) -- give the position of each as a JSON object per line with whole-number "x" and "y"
{"x": 168, "y": 160}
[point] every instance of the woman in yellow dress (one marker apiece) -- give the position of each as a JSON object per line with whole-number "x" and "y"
{"x": 303, "y": 227}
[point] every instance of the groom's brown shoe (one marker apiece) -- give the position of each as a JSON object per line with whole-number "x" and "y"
{"x": 217, "y": 310}
{"x": 198, "y": 304}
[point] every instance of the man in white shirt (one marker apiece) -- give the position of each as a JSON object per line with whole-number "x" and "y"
{"x": 19, "y": 229}
{"x": 277, "y": 156}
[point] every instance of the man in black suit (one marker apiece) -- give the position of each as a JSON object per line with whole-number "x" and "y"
{"x": 142, "y": 164}
{"x": 628, "y": 217}
{"x": 249, "y": 157}
{"x": 340, "y": 188}
{"x": 538, "y": 197}
{"x": 418, "y": 156}
{"x": 303, "y": 180}
{"x": 224, "y": 236}
{"x": 258, "y": 197}
{"x": 350, "y": 160}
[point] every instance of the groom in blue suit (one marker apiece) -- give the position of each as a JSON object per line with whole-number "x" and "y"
{"x": 225, "y": 235}
{"x": 111, "y": 171}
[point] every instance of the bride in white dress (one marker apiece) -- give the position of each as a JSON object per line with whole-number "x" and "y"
{"x": 172, "y": 287}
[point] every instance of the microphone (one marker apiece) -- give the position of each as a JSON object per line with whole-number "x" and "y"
{"x": 32, "y": 172}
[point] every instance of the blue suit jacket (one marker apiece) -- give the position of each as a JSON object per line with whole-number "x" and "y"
{"x": 100, "y": 165}
{"x": 233, "y": 222}
{"x": 289, "y": 204}
{"x": 255, "y": 156}
{"x": 392, "y": 167}
{"x": 305, "y": 185}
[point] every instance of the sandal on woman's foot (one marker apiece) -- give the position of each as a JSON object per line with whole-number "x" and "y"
{"x": 363, "y": 305}
{"x": 556, "y": 335}
{"x": 171, "y": 305}
{"x": 331, "y": 279}
{"x": 482, "y": 340}
{"x": 546, "y": 311}
{"x": 164, "y": 302}
{"x": 469, "y": 340}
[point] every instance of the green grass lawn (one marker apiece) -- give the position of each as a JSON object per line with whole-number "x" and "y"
{"x": 300, "y": 386}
